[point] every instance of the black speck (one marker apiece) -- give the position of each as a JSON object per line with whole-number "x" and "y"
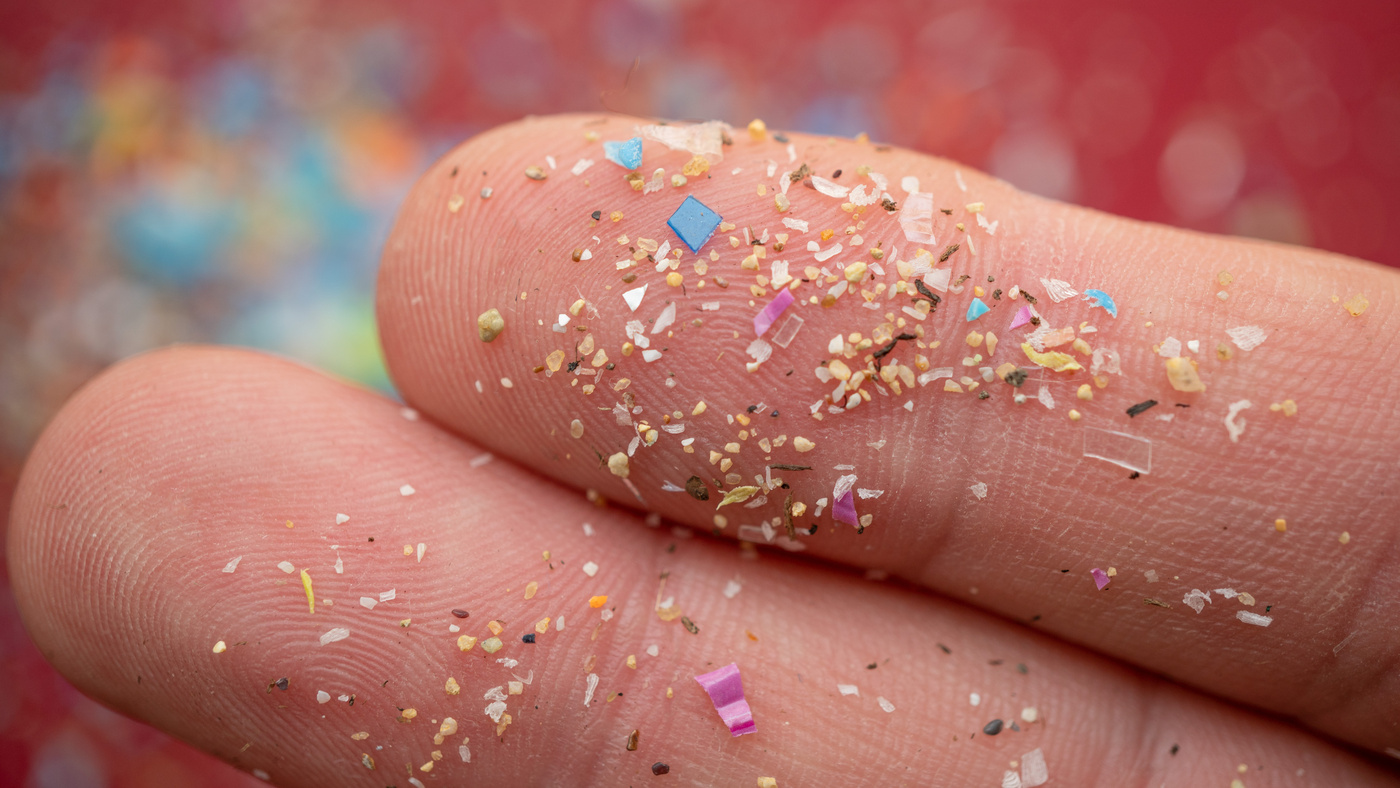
{"x": 984, "y": 395}
{"x": 945, "y": 649}
{"x": 371, "y": 538}
{"x": 836, "y": 175}
{"x": 282, "y": 683}
{"x": 1145, "y": 405}
{"x": 573, "y": 365}
{"x": 812, "y": 530}
{"x": 774, "y": 414}
{"x": 1176, "y": 748}
{"x": 871, "y": 666}
{"x": 660, "y": 768}
{"x": 992, "y": 728}
{"x": 780, "y": 138}
{"x": 530, "y": 638}
{"x": 1134, "y": 475}
{"x": 752, "y": 408}
{"x": 597, "y": 215}
{"x": 460, "y": 613}
{"x": 1064, "y": 571}
{"x": 1021, "y": 668}
{"x": 1015, "y": 727}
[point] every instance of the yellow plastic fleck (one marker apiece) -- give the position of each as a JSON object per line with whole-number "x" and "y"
{"x": 1085, "y": 392}
{"x": 669, "y": 693}
{"x": 491, "y": 645}
{"x": 1356, "y": 305}
{"x": 554, "y": 360}
{"x": 495, "y": 627}
{"x": 542, "y": 626}
{"x": 632, "y": 661}
{"x": 220, "y": 647}
{"x": 674, "y": 279}
{"x": 367, "y": 761}
{"x": 802, "y": 444}
{"x": 737, "y": 495}
{"x": 490, "y": 324}
{"x": 1280, "y": 525}
{"x": 1075, "y": 415}
{"x": 1081, "y": 347}
{"x": 306, "y": 586}
{"x": 855, "y": 272}
{"x": 465, "y": 642}
{"x": 767, "y": 782}
{"x": 1181, "y": 373}
{"x": 408, "y": 715}
{"x": 597, "y": 601}
{"x": 991, "y": 344}
{"x": 975, "y": 338}
{"x": 530, "y": 589}
{"x": 1288, "y": 407}
{"x": 758, "y": 130}
{"x": 952, "y": 385}
{"x": 1052, "y": 360}
{"x": 1345, "y": 537}
{"x": 698, "y": 165}
{"x": 453, "y": 688}
{"x": 618, "y": 464}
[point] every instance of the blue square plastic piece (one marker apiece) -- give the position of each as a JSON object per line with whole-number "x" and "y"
{"x": 624, "y": 154}
{"x": 976, "y": 309}
{"x": 694, "y": 223}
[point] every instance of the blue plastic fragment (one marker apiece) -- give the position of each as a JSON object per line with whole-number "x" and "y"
{"x": 976, "y": 309}
{"x": 694, "y": 223}
{"x": 624, "y": 154}
{"x": 1100, "y": 298}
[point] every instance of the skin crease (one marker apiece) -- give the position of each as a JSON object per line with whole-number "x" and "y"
{"x": 168, "y": 465}
{"x": 1203, "y": 518}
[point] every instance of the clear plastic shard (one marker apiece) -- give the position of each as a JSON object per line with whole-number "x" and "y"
{"x": 1247, "y": 337}
{"x": 916, "y": 218}
{"x": 1033, "y": 771}
{"x": 1254, "y": 618}
{"x": 788, "y": 331}
{"x": 1119, "y": 448}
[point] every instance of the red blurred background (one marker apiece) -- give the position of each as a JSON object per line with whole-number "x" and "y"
{"x": 226, "y": 171}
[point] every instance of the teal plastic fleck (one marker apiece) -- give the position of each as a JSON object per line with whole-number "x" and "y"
{"x": 624, "y": 154}
{"x": 976, "y": 309}
{"x": 1100, "y": 298}
{"x": 694, "y": 223}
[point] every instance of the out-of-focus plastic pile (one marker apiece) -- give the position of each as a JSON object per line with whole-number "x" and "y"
{"x": 227, "y": 172}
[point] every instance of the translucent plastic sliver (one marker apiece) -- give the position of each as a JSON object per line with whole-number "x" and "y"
{"x": 726, "y": 691}
{"x": 1119, "y": 448}
{"x": 1033, "y": 771}
{"x": 788, "y": 331}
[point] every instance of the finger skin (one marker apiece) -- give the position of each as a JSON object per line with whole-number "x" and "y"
{"x": 169, "y": 465}
{"x": 1203, "y": 518}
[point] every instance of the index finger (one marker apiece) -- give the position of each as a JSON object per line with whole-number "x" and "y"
{"x": 634, "y": 372}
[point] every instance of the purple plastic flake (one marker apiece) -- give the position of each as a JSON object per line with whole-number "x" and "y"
{"x": 844, "y": 510}
{"x": 764, "y": 319}
{"x": 726, "y": 691}
{"x": 1023, "y": 316}
{"x": 1100, "y": 578}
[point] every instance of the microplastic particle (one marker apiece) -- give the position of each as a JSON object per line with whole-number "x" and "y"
{"x": 1119, "y": 448}
{"x": 339, "y": 633}
{"x": 694, "y": 223}
{"x": 1100, "y": 578}
{"x": 660, "y": 768}
{"x": 634, "y": 297}
{"x": 771, "y": 312}
{"x": 726, "y": 691}
{"x": 992, "y": 728}
{"x": 885, "y": 704}
{"x": 976, "y": 309}
{"x": 1100, "y": 298}
{"x": 1141, "y": 406}
{"x": 1033, "y": 771}
{"x": 1254, "y": 618}
{"x": 1247, "y": 337}
{"x": 788, "y": 330}
{"x": 731, "y": 589}
{"x": 1196, "y": 599}
{"x": 625, "y": 153}
{"x": 1233, "y": 425}
{"x": 843, "y": 510}
{"x": 979, "y": 489}
{"x": 848, "y": 689}
{"x": 232, "y": 565}
{"x": 407, "y": 490}
{"x": 1023, "y": 317}
{"x": 322, "y": 696}
{"x": 1058, "y": 289}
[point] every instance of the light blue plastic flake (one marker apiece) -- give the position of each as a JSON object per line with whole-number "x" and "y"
{"x": 624, "y": 154}
{"x": 1100, "y": 298}
{"x": 695, "y": 223}
{"x": 976, "y": 309}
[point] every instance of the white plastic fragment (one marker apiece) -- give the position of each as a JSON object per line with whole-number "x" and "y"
{"x": 653, "y": 650}
{"x": 916, "y": 218}
{"x": 1254, "y": 618}
{"x": 1105, "y": 360}
{"x": 1236, "y": 426}
{"x": 634, "y": 297}
{"x": 979, "y": 489}
{"x": 388, "y": 596}
{"x": 342, "y": 519}
{"x": 885, "y": 704}
{"x": 495, "y": 709}
{"x": 1170, "y": 348}
{"x": 1058, "y": 289}
{"x": 1033, "y": 771}
{"x": 368, "y": 602}
{"x": 581, "y": 166}
{"x": 909, "y": 184}
{"x": 974, "y": 699}
{"x": 829, "y": 188}
{"x": 1196, "y": 599}
{"x": 848, "y": 689}
{"x": 866, "y": 493}
{"x": 1228, "y": 593}
{"x": 699, "y": 139}
{"x": 1045, "y": 398}
{"x": 795, "y": 224}
{"x": 407, "y": 490}
{"x": 322, "y": 696}
{"x": 760, "y": 350}
{"x": 665, "y": 319}
{"x": 1009, "y": 779}
{"x": 730, "y": 589}
{"x": 286, "y": 566}
{"x": 232, "y": 565}
{"x": 464, "y": 753}
{"x": 1247, "y": 337}
{"x": 590, "y": 569}
{"x": 1119, "y": 448}
{"x": 592, "y": 686}
{"x": 339, "y": 633}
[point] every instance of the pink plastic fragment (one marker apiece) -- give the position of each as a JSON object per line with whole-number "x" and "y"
{"x": 727, "y": 693}
{"x": 844, "y": 510}
{"x": 1100, "y": 578}
{"x": 764, "y": 320}
{"x": 1023, "y": 316}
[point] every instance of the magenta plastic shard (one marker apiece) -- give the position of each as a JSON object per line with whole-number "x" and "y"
{"x": 727, "y": 693}
{"x": 844, "y": 509}
{"x": 1100, "y": 578}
